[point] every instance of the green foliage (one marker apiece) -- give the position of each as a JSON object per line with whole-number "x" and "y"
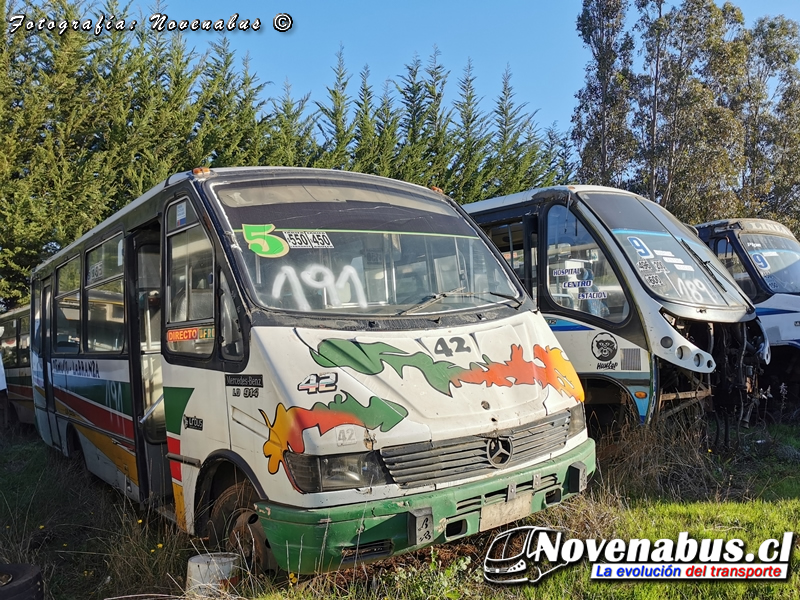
{"x": 708, "y": 126}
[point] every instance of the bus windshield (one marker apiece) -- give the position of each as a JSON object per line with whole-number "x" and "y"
{"x": 327, "y": 247}
{"x": 669, "y": 258}
{"x": 777, "y": 260}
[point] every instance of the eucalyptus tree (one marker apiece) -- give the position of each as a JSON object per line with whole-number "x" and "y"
{"x": 690, "y": 142}
{"x": 601, "y": 131}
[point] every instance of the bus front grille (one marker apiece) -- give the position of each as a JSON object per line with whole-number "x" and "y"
{"x": 426, "y": 463}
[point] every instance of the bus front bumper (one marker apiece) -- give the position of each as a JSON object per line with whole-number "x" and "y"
{"x": 325, "y": 539}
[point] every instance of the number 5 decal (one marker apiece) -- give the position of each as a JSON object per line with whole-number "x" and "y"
{"x": 260, "y": 241}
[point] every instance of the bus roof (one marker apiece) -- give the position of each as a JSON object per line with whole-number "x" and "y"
{"x": 529, "y": 195}
{"x": 203, "y": 174}
{"x": 746, "y": 225}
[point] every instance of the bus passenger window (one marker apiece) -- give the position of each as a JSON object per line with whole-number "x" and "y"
{"x": 68, "y": 308}
{"x": 24, "y": 341}
{"x": 191, "y": 289}
{"x": 579, "y": 276}
{"x": 105, "y": 292}
{"x": 8, "y": 343}
{"x": 508, "y": 239}
{"x": 37, "y": 315}
{"x": 728, "y": 256}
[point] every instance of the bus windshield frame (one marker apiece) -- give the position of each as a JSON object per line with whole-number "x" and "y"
{"x": 671, "y": 262}
{"x": 330, "y": 248}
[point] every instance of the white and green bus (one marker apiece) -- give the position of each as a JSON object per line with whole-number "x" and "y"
{"x": 318, "y": 367}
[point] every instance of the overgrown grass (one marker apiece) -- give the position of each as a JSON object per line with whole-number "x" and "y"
{"x": 89, "y": 540}
{"x": 653, "y": 483}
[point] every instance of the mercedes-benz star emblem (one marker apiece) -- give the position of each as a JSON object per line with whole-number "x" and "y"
{"x": 499, "y": 451}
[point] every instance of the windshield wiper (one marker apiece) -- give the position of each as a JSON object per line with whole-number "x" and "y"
{"x": 706, "y": 264}
{"x": 460, "y": 292}
{"x": 507, "y": 296}
{"x": 431, "y": 300}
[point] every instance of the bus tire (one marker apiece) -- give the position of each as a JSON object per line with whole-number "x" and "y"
{"x": 234, "y": 526}
{"x": 24, "y": 582}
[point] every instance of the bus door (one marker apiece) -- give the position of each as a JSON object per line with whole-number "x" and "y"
{"x": 48, "y": 429}
{"x": 144, "y": 320}
{"x": 586, "y": 305}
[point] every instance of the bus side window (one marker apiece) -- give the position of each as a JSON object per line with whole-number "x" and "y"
{"x": 37, "y": 315}
{"x": 230, "y": 329}
{"x": 728, "y": 256}
{"x": 579, "y": 277}
{"x": 533, "y": 259}
{"x": 105, "y": 295}
{"x": 68, "y": 307}
{"x": 191, "y": 288}
{"x": 8, "y": 342}
{"x": 24, "y": 341}
{"x": 508, "y": 239}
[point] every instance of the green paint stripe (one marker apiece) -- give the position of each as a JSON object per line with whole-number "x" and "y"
{"x": 446, "y": 235}
{"x": 175, "y": 401}
{"x": 100, "y": 391}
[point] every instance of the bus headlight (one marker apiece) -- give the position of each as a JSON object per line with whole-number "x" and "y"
{"x": 577, "y": 420}
{"x": 336, "y": 472}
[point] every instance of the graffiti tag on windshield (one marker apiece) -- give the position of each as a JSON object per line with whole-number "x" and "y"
{"x": 319, "y": 277}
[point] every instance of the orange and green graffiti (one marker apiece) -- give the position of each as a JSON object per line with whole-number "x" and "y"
{"x": 286, "y": 429}
{"x": 549, "y": 366}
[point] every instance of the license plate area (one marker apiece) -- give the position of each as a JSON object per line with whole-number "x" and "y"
{"x": 501, "y": 513}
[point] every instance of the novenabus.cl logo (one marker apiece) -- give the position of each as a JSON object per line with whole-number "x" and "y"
{"x": 510, "y": 556}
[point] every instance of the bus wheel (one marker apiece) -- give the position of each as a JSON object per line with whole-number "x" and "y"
{"x": 234, "y": 526}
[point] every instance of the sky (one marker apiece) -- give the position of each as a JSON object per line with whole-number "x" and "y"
{"x": 536, "y": 39}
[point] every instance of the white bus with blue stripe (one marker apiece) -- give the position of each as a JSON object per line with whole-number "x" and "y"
{"x": 764, "y": 258}
{"x": 651, "y": 320}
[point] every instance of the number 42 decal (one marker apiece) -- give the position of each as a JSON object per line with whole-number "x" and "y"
{"x": 318, "y": 383}
{"x": 441, "y": 346}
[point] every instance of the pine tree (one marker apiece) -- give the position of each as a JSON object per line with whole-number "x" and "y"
{"x": 439, "y": 149}
{"x": 388, "y": 144}
{"x": 337, "y": 132}
{"x": 365, "y": 131}
{"x": 290, "y": 140}
{"x": 410, "y": 165}
{"x": 511, "y": 157}
{"x": 472, "y": 138}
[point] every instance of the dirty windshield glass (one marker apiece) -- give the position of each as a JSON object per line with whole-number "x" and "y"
{"x": 328, "y": 247}
{"x": 777, "y": 259}
{"x": 669, "y": 259}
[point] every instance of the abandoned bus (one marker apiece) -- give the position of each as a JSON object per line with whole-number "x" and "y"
{"x": 15, "y": 347}
{"x": 764, "y": 258}
{"x": 321, "y": 367}
{"x": 649, "y": 318}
